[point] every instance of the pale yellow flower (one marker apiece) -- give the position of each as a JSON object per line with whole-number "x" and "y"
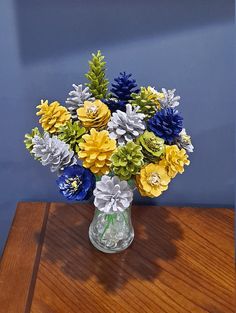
{"x": 53, "y": 116}
{"x": 152, "y": 180}
{"x": 94, "y": 114}
{"x": 174, "y": 160}
{"x": 96, "y": 151}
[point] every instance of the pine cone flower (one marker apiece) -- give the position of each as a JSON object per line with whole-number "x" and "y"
{"x": 121, "y": 91}
{"x": 152, "y": 180}
{"x": 152, "y": 146}
{"x": 96, "y": 151}
{"x": 169, "y": 100}
{"x": 166, "y": 124}
{"x": 127, "y": 160}
{"x": 174, "y": 160}
{"x": 76, "y": 99}
{"x": 148, "y": 101}
{"x": 126, "y": 126}
{"x": 29, "y": 137}
{"x": 53, "y": 152}
{"x": 94, "y": 114}
{"x": 123, "y": 87}
{"x": 96, "y": 76}
{"x": 184, "y": 141}
{"x": 114, "y": 104}
{"x": 53, "y": 116}
{"x": 112, "y": 195}
{"x": 76, "y": 183}
{"x": 71, "y": 133}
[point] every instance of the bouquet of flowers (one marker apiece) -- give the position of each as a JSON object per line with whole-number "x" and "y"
{"x": 102, "y": 142}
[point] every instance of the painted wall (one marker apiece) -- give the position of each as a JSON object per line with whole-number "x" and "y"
{"x": 183, "y": 44}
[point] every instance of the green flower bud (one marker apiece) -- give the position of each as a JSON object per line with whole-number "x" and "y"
{"x": 98, "y": 84}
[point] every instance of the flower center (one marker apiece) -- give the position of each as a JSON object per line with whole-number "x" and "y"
{"x": 92, "y": 110}
{"x": 74, "y": 182}
{"x": 153, "y": 144}
{"x": 154, "y": 179}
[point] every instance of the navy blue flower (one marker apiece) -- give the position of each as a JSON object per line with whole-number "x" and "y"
{"x": 166, "y": 124}
{"x": 76, "y": 183}
{"x": 115, "y": 104}
{"x": 123, "y": 87}
{"x": 121, "y": 91}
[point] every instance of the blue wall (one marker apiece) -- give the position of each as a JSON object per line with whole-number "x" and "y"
{"x": 165, "y": 43}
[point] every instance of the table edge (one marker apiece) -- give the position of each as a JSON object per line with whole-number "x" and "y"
{"x": 8, "y": 295}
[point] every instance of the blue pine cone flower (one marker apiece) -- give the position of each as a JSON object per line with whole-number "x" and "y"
{"x": 76, "y": 183}
{"x": 166, "y": 124}
{"x": 115, "y": 104}
{"x": 121, "y": 91}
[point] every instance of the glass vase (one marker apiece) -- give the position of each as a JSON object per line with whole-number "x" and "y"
{"x": 111, "y": 232}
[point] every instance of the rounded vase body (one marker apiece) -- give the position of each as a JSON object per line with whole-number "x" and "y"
{"x": 111, "y": 232}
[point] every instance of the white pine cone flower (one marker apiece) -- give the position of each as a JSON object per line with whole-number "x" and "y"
{"x": 184, "y": 141}
{"x": 169, "y": 100}
{"x": 53, "y": 152}
{"x": 77, "y": 98}
{"x": 112, "y": 195}
{"x": 126, "y": 126}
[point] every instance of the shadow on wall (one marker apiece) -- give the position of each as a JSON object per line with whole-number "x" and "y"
{"x": 203, "y": 164}
{"x": 53, "y": 28}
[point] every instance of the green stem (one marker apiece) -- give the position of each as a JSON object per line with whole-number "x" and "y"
{"x": 126, "y": 222}
{"x": 109, "y": 218}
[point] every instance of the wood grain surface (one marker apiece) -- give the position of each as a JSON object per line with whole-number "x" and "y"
{"x": 182, "y": 260}
{"x": 19, "y": 264}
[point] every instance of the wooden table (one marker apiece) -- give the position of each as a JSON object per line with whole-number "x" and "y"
{"x": 180, "y": 261}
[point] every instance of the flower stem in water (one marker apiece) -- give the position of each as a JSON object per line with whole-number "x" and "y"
{"x": 110, "y": 219}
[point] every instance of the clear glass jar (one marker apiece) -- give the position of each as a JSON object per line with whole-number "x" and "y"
{"x": 111, "y": 232}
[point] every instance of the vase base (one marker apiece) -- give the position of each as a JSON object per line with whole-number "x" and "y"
{"x": 101, "y": 247}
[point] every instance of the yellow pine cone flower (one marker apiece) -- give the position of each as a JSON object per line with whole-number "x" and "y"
{"x": 152, "y": 180}
{"x": 96, "y": 151}
{"x": 151, "y": 95}
{"x": 53, "y": 116}
{"x": 148, "y": 100}
{"x": 174, "y": 160}
{"x": 94, "y": 114}
{"x": 155, "y": 95}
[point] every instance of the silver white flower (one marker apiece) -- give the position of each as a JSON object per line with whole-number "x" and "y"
{"x": 126, "y": 126}
{"x": 184, "y": 141}
{"x": 112, "y": 195}
{"x": 169, "y": 100}
{"x": 77, "y": 98}
{"x": 53, "y": 152}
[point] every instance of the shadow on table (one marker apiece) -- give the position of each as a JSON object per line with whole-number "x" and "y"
{"x": 67, "y": 246}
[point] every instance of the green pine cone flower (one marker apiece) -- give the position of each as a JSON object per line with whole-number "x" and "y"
{"x": 28, "y": 138}
{"x": 98, "y": 84}
{"x": 71, "y": 133}
{"x": 152, "y": 146}
{"x": 147, "y": 100}
{"x": 127, "y": 160}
